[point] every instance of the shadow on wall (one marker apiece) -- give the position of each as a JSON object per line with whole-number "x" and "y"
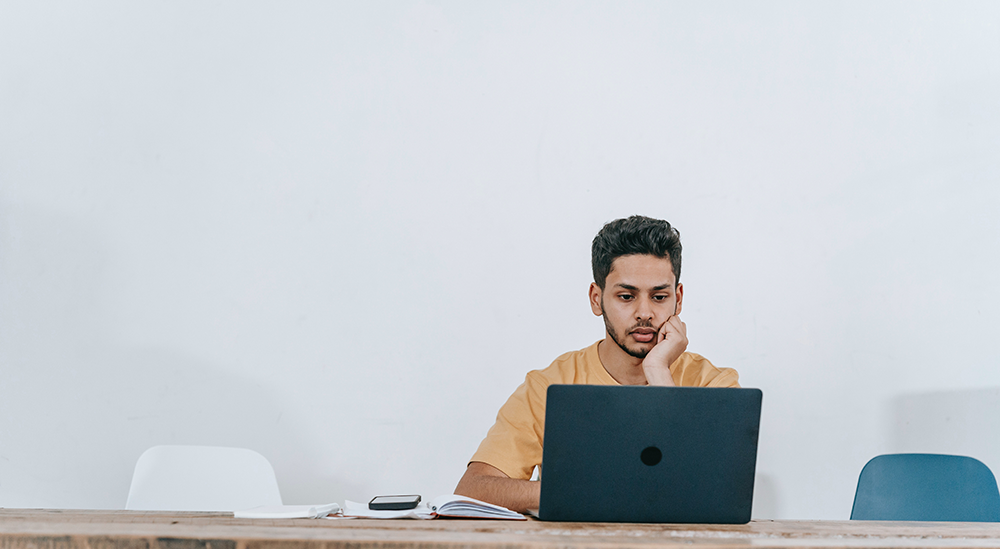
{"x": 79, "y": 405}
{"x": 765, "y": 497}
{"x": 167, "y": 398}
{"x": 961, "y": 422}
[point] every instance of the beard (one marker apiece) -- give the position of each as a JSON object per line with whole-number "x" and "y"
{"x": 637, "y": 353}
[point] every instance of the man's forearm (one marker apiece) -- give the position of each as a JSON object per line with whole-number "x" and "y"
{"x": 484, "y": 482}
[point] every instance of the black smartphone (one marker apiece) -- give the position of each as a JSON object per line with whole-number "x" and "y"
{"x": 394, "y": 502}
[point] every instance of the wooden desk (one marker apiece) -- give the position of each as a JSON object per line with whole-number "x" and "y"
{"x": 117, "y": 529}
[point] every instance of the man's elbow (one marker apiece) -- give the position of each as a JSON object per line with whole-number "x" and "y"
{"x": 489, "y": 484}
{"x": 475, "y": 481}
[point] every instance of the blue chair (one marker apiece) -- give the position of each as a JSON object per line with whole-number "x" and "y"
{"x": 926, "y": 487}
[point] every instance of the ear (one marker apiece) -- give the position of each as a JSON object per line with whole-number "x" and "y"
{"x": 595, "y": 299}
{"x": 680, "y": 298}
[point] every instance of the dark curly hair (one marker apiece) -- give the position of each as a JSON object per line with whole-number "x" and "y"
{"x": 634, "y": 235}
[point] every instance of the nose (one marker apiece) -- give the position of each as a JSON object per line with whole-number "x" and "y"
{"x": 643, "y": 310}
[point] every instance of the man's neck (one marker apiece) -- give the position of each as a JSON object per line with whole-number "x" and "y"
{"x": 625, "y": 369}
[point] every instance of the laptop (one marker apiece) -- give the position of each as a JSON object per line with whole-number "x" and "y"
{"x": 649, "y": 454}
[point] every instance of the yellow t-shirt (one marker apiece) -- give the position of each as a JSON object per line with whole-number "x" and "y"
{"x": 514, "y": 444}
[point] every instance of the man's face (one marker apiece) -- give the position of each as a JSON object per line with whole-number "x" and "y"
{"x": 639, "y": 295}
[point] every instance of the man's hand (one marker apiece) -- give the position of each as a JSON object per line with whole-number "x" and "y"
{"x": 671, "y": 341}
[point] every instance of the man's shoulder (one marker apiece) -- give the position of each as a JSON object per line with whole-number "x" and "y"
{"x": 577, "y": 357}
{"x": 572, "y": 367}
{"x": 695, "y": 370}
{"x": 691, "y": 358}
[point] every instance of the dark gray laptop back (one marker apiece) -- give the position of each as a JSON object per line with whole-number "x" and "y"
{"x": 649, "y": 454}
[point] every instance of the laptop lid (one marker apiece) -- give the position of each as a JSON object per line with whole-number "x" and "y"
{"x": 649, "y": 454}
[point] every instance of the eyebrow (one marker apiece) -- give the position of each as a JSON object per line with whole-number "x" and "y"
{"x": 635, "y": 288}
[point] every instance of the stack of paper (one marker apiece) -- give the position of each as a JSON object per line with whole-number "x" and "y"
{"x": 360, "y": 510}
{"x": 289, "y": 512}
{"x": 446, "y": 506}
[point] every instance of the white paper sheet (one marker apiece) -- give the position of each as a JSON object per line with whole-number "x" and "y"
{"x": 289, "y": 511}
{"x": 360, "y": 510}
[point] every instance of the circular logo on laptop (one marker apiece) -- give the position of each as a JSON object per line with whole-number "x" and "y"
{"x": 651, "y": 456}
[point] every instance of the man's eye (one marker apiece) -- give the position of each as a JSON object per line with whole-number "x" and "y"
{"x": 660, "y": 298}
{"x": 625, "y": 297}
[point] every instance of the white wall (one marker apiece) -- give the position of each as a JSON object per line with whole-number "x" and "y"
{"x": 340, "y": 233}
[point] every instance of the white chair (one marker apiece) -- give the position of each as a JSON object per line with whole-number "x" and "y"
{"x": 196, "y": 478}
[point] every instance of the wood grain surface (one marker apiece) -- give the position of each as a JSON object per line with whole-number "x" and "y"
{"x": 24, "y": 528}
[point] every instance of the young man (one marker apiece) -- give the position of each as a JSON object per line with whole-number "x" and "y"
{"x": 636, "y": 288}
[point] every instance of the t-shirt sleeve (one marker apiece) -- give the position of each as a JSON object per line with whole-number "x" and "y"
{"x": 726, "y": 378}
{"x": 514, "y": 443}
{"x": 700, "y": 372}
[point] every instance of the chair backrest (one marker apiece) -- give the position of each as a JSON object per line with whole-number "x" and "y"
{"x": 196, "y": 478}
{"x": 926, "y": 487}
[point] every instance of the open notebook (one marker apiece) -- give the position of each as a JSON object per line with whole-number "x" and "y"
{"x": 445, "y": 506}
